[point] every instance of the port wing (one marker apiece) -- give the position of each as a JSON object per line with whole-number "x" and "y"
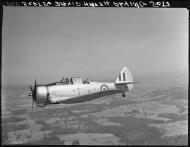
{"x": 89, "y": 97}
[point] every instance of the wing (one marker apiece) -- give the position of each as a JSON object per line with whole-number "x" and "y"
{"x": 89, "y": 97}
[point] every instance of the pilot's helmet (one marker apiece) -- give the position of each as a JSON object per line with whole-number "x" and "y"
{"x": 67, "y": 80}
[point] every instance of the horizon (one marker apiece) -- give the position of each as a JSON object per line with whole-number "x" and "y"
{"x": 139, "y": 78}
{"x": 51, "y": 43}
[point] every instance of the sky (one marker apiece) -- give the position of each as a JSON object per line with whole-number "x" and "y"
{"x": 49, "y": 43}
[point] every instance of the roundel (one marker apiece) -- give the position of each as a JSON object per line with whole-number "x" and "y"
{"x": 104, "y": 87}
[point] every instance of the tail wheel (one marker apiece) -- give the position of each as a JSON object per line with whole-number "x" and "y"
{"x": 123, "y": 94}
{"x": 104, "y": 87}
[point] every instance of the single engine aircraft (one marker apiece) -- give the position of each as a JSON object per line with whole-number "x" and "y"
{"x": 76, "y": 91}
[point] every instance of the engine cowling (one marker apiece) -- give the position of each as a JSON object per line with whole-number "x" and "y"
{"x": 41, "y": 94}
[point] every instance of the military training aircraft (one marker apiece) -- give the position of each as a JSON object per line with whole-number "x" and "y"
{"x": 76, "y": 91}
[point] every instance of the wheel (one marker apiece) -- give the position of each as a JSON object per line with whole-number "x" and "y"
{"x": 123, "y": 94}
{"x": 104, "y": 87}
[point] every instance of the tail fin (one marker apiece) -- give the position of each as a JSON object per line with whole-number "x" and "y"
{"x": 125, "y": 77}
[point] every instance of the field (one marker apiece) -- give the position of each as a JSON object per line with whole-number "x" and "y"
{"x": 155, "y": 112}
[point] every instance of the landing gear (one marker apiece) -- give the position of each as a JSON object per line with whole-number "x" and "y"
{"x": 41, "y": 105}
{"x": 123, "y": 94}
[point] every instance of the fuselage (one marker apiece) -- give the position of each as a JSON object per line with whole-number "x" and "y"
{"x": 56, "y": 93}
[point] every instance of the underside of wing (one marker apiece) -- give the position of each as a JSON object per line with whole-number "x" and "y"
{"x": 89, "y": 97}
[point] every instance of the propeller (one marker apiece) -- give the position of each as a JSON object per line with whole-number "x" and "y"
{"x": 33, "y": 94}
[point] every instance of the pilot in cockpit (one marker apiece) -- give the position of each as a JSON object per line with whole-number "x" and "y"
{"x": 67, "y": 80}
{"x": 63, "y": 80}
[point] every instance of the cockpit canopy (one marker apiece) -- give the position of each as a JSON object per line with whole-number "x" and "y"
{"x": 72, "y": 80}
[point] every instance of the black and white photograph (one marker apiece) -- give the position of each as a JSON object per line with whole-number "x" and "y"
{"x": 94, "y": 76}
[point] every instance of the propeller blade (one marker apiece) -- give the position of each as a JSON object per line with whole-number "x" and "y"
{"x": 32, "y": 104}
{"x": 31, "y": 89}
{"x": 34, "y": 95}
{"x": 35, "y": 82}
